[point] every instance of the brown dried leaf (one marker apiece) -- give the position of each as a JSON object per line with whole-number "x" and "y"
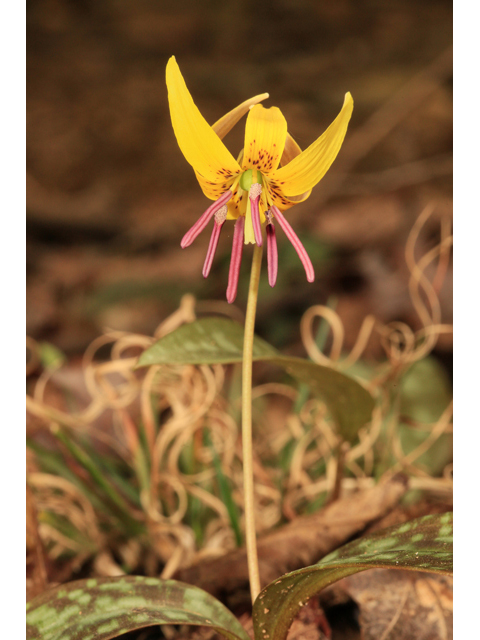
{"x": 401, "y": 605}
{"x": 37, "y": 578}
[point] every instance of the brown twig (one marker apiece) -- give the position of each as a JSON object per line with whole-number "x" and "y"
{"x": 299, "y": 543}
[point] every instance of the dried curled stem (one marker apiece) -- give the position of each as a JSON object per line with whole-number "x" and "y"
{"x": 181, "y": 409}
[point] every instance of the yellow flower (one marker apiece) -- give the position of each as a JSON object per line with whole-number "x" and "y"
{"x": 253, "y": 189}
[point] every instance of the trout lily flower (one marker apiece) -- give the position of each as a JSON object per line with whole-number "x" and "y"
{"x": 270, "y": 175}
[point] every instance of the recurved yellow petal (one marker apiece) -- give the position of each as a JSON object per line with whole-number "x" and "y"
{"x": 265, "y": 134}
{"x": 230, "y": 119}
{"x": 212, "y": 189}
{"x": 307, "y": 169}
{"x": 198, "y": 142}
{"x": 291, "y": 150}
{"x": 279, "y": 199}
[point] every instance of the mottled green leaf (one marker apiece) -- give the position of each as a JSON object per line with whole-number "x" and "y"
{"x": 350, "y": 404}
{"x": 205, "y": 341}
{"x": 424, "y": 544}
{"x": 103, "y": 608}
{"x": 220, "y": 341}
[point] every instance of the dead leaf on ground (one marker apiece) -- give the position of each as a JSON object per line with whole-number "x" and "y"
{"x": 400, "y": 605}
{"x": 300, "y": 543}
{"x": 37, "y": 579}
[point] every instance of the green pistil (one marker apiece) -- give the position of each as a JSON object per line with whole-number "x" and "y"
{"x": 246, "y": 179}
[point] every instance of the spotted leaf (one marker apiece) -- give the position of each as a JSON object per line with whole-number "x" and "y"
{"x": 103, "y": 608}
{"x": 220, "y": 341}
{"x": 424, "y": 544}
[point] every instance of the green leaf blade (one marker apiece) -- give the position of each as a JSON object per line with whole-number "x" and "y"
{"x": 205, "y": 341}
{"x": 424, "y": 544}
{"x": 220, "y": 341}
{"x": 350, "y": 404}
{"x": 104, "y": 608}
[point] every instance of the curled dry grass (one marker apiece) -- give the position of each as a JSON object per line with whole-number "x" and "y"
{"x": 155, "y": 423}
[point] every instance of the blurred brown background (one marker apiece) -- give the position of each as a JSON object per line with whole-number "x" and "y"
{"x": 109, "y": 195}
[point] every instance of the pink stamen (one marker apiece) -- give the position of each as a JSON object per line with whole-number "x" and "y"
{"x": 272, "y": 254}
{"x": 254, "y": 195}
{"x": 235, "y": 260}
{"x": 204, "y": 219}
{"x": 212, "y": 248}
{"x": 297, "y": 245}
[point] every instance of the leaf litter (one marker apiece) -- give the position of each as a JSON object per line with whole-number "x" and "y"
{"x": 177, "y": 405}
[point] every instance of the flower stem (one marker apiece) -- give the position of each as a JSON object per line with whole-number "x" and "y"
{"x": 250, "y": 534}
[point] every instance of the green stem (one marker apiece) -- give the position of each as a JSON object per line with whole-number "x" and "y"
{"x": 250, "y": 534}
